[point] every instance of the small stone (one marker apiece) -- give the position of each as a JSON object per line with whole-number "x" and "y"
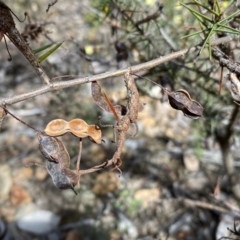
{"x": 125, "y": 225}
{"x": 146, "y": 196}
{"x": 22, "y": 174}
{"x": 39, "y": 222}
{"x": 5, "y": 180}
{"x": 72, "y": 235}
{"x": 106, "y": 182}
{"x": 191, "y": 162}
{"x": 19, "y": 195}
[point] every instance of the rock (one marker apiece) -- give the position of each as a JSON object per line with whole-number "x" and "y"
{"x": 22, "y": 174}
{"x": 39, "y": 222}
{"x": 106, "y": 182}
{"x": 226, "y": 222}
{"x": 146, "y": 196}
{"x": 125, "y": 225}
{"x": 190, "y": 161}
{"x": 5, "y": 180}
{"x": 72, "y": 235}
{"x": 19, "y": 195}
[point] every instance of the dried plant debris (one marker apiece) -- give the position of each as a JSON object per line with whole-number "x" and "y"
{"x": 34, "y": 30}
{"x": 8, "y": 28}
{"x": 50, "y": 5}
{"x": 124, "y": 123}
{"x": 2, "y": 116}
{"x": 103, "y": 102}
{"x": 77, "y": 126}
{"x": 233, "y": 85}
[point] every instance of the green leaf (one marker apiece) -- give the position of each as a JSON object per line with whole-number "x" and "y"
{"x": 218, "y": 7}
{"x": 229, "y": 18}
{"x": 193, "y": 34}
{"x": 197, "y": 13}
{"x": 208, "y": 9}
{"x": 232, "y": 30}
{"x": 47, "y": 54}
{"x": 207, "y": 40}
{"x": 42, "y": 48}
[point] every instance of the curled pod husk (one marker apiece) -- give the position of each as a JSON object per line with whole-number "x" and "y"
{"x": 54, "y": 150}
{"x": 179, "y": 99}
{"x": 98, "y": 97}
{"x": 56, "y": 127}
{"x": 78, "y": 127}
{"x": 194, "y": 110}
{"x": 95, "y": 134}
{"x": 62, "y": 178}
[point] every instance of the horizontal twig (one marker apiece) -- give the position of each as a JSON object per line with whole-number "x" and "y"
{"x": 134, "y": 69}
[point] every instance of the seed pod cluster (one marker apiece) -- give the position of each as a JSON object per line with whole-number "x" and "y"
{"x": 58, "y": 162}
{"x": 78, "y": 127}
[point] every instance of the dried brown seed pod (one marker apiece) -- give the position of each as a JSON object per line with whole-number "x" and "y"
{"x": 62, "y": 178}
{"x": 194, "y": 110}
{"x": 78, "y": 127}
{"x": 56, "y": 127}
{"x": 94, "y": 134}
{"x": 54, "y": 150}
{"x": 181, "y": 100}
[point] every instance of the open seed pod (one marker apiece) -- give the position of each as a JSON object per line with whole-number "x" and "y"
{"x": 78, "y": 127}
{"x": 95, "y": 134}
{"x": 56, "y": 127}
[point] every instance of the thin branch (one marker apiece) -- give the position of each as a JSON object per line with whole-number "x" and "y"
{"x": 205, "y": 205}
{"x": 134, "y": 69}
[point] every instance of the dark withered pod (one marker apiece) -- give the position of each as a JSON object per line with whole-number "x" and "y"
{"x": 6, "y": 19}
{"x": 54, "y": 150}
{"x": 194, "y": 110}
{"x": 181, "y": 100}
{"x": 62, "y": 178}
